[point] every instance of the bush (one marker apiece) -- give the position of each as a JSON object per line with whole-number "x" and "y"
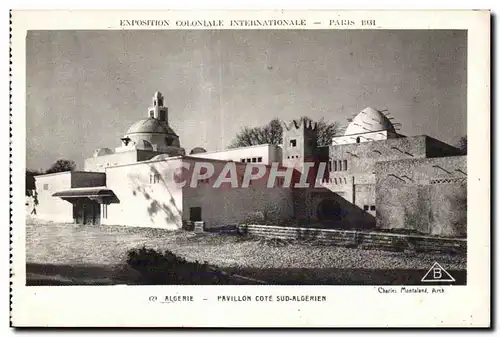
{"x": 167, "y": 268}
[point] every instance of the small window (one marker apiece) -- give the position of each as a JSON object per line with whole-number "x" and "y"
{"x": 372, "y": 208}
{"x": 329, "y": 166}
{"x": 249, "y": 160}
{"x": 293, "y": 143}
{"x": 154, "y": 178}
{"x": 335, "y": 165}
{"x": 358, "y": 139}
{"x": 254, "y": 160}
{"x": 45, "y": 187}
{"x": 259, "y": 159}
{"x": 366, "y": 207}
{"x": 242, "y": 160}
{"x": 345, "y": 165}
{"x": 340, "y": 165}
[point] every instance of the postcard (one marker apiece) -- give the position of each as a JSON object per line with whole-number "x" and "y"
{"x": 250, "y": 168}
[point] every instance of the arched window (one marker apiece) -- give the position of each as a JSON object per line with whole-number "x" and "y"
{"x": 358, "y": 139}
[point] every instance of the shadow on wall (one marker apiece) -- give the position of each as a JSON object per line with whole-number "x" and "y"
{"x": 166, "y": 207}
{"x": 327, "y": 209}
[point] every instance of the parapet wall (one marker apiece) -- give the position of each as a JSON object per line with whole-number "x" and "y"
{"x": 359, "y": 239}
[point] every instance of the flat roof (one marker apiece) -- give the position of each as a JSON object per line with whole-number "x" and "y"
{"x": 184, "y": 157}
{"x": 234, "y": 149}
{"x": 66, "y": 172}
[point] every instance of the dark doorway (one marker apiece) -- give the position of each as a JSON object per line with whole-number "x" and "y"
{"x": 329, "y": 210}
{"x": 86, "y": 212}
{"x": 195, "y": 214}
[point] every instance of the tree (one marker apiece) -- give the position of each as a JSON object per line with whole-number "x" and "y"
{"x": 272, "y": 133}
{"x": 30, "y": 180}
{"x": 62, "y": 165}
{"x": 462, "y": 144}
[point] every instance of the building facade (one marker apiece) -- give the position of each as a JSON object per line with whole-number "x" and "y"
{"x": 370, "y": 177}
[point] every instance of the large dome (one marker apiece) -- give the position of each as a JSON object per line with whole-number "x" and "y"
{"x": 369, "y": 120}
{"x": 150, "y": 125}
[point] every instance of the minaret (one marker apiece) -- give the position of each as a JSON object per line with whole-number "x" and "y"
{"x": 158, "y": 111}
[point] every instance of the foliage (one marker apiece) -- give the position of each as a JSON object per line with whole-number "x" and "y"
{"x": 62, "y": 165}
{"x": 272, "y": 133}
{"x": 30, "y": 180}
{"x": 462, "y": 144}
{"x": 168, "y": 268}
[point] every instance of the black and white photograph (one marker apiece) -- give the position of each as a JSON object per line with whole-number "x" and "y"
{"x": 385, "y": 112}
{"x": 172, "y": 157}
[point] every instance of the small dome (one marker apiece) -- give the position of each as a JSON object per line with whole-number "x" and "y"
{"x": 150, "y": 125}
{"x": 369, "y": 120}
{"x": 102, "y": 152}
{"x": 197, "y": 150}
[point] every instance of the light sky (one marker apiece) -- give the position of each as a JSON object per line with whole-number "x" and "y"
{"x": 86, "y": 88}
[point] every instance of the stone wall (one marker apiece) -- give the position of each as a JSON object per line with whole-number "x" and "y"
{"x": 359, "y": 239}
{"x": 424, "y": 195}
{"x": 361, "y": 158}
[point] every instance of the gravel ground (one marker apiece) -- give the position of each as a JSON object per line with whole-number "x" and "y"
{"x": 50, "y": 243}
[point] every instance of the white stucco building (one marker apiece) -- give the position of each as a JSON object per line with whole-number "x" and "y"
{"x": 370, "y": 176}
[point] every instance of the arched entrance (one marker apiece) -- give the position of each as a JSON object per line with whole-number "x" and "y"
{"x": 329, "y": 210}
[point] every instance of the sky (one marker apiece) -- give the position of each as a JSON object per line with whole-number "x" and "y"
{"x": 86, "y": 88}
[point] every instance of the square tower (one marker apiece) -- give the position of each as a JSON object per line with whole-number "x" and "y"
{"x": 300, "y": 139}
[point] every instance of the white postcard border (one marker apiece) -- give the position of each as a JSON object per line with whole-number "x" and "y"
{"x": 347, "y": 306}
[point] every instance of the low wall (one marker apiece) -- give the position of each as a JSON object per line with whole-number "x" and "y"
{"x": 358, "y": 239}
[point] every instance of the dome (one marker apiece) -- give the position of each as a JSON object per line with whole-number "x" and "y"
{"x": 102, "y": 152}
{"x": 150, "y": 125}
{"x": 197, "y": 150}
{"x": 369, "y": 120}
